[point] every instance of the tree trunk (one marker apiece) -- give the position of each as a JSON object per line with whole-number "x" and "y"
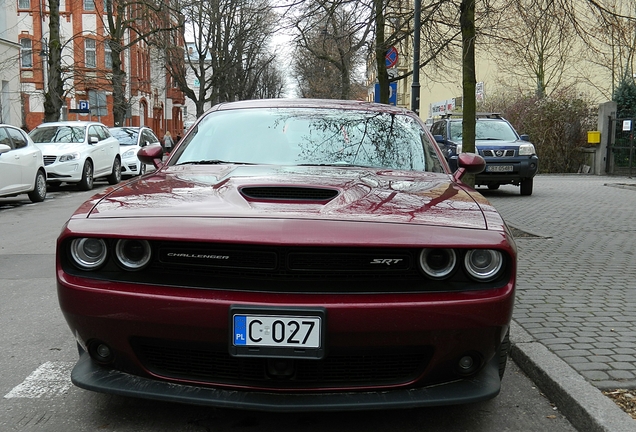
{"x": 469, "y": 81}
{"x": 380, "y": 52}
{"x": 120, "y": 104}
{"x": 54, "y": 93}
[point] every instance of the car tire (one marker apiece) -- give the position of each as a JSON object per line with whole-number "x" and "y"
{"x": 142, "y": 169}
{"x": 526, "y": 187}
{"x": 115, "y": 176}
{"x": 504, "y": 349}
{"x": 38, "y": 194}
{"x": 493, "y": 186}
{"x": 86, "y": 183}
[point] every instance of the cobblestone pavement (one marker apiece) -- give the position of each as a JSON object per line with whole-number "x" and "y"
{"x": 576, "y": 291}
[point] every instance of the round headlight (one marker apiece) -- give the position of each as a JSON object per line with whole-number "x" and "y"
{"x": 133, "y": 254}
{"x": 438, "y": 263}
{"x": 88, "y": 253}
{"x": 483, "y": 264}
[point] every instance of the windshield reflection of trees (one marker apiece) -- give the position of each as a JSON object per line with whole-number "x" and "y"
{"x": 313, "y": 137}
{"x": 58, "y": 134}
{"x": 376, "y": 140}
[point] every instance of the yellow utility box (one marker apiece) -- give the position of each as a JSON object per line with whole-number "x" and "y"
{"x": 593, "y": 137}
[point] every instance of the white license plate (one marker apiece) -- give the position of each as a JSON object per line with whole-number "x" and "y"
{"x": 499, "y": 168}
{"x": 285, "y": 331}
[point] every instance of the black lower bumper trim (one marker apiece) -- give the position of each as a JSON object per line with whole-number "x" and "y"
{"x": 90, "y": 376}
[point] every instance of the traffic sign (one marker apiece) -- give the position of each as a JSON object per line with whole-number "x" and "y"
{"x": 391, "y": 57}
{"x": 83, "y": 105}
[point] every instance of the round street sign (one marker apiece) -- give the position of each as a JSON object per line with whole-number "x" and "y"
{"x": 391, "y": 57}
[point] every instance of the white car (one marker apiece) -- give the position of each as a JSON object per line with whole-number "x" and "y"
{"x": 21, "y": 165}
{"x": 131, "y": 139}
{"x": 78, "y": 152}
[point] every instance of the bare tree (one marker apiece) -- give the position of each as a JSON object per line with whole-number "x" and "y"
{"x": 333, "y": 33}
{"x": 227, "y": 52}
{"x": 54, "y": 97}
{"x": 130, "y": 22}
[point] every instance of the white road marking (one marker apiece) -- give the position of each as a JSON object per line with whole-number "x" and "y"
{"x": 50, "y": 379}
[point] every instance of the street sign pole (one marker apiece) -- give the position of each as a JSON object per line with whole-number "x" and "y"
{"x": 415, "y": 86}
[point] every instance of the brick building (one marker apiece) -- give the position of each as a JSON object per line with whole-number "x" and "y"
{"x": 152, "y": 98}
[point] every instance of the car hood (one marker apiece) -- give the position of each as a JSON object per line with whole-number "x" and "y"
{"x": 496, "y": 143}
{"x": 59, "y": 148}
{"x": 360, "y": 195}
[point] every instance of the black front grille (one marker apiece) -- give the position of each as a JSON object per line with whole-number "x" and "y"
{"x": 285, "y": 269}
{"x": 289, "y": 193}
{"x": 48, "y": 160}
{"x": 498, "y": 153}
{"x": 213, "y": 364}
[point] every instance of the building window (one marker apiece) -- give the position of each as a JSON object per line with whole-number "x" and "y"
{"x": 90, "y": 59}
{"x": 24, "y": 4}
{"x": 26, "y": 53}
{"x": 108, "y": 59}
{"x": 89, "y": 5}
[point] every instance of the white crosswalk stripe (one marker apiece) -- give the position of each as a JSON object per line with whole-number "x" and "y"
{"x": 50, "y": 379}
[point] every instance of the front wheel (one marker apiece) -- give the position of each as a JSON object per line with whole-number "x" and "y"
{"x": 115, "y": 176}
{"x": 86, "y": 183}
{"x": 39, "y": 189}
{"x": 526, "y": 186}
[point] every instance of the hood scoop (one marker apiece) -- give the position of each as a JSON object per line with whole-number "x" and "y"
{"x": 288, "y": 193}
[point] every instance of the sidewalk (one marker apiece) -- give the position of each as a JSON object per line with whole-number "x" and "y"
{"x": 575, "y": 315}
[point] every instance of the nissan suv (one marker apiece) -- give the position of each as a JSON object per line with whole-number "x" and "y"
{"x": 510, "y": 157}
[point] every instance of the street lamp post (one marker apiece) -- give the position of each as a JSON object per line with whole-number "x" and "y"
{"x": 415, "y": 86}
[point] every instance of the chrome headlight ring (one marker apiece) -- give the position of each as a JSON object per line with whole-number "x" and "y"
{"x": 132, "y": 254}
{"x": 88, "y": 253}
{"x": 483, "y": 265}
{"x": 438, "y": 263}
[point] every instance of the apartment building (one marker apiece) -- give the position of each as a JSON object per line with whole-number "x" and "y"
{"x": 153, "y": 99}
{"x": 10, "y": 112}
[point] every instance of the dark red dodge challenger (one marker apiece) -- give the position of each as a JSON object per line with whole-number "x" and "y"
{"x": 292, "y": 255}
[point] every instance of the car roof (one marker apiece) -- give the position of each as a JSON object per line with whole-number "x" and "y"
{"x": 311, "y": 103}
{"x": 70, "y": 123}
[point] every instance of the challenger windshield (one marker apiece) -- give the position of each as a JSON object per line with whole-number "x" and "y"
{"x": 303, "y": 136}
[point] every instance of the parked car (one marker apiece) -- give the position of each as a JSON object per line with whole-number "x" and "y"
{"x": 323, "y": 258}
{"x": 510, "y": 157}
{"x": 21, "y": 165}
{"x": 131, "y": 139}
{"x": 78, "y": 152}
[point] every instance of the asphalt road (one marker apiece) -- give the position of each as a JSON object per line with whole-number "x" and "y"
{"x": 37, "y": 353}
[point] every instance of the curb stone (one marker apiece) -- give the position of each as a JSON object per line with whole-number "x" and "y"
{"x": 584, "y": 405}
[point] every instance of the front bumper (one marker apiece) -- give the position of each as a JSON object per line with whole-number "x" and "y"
{"x": 484, "y": 386}
{"x": 524, "y": 167}
{"x": 130, "y": 166}
{"x": 64, "y": 171}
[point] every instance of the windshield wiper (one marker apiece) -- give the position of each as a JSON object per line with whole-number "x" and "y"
{"x": 336, "y": 164}
{"x": 213, "y": 162}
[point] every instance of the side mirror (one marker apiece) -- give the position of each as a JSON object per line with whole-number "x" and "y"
{"x": 4, "y": 148}
{"x": 440, "y": 139}
{"x": 524, "y": 137}
{"x": 93, "y": 139}
{"x": 469, "y": 163}
{"x": 151, "y": 155}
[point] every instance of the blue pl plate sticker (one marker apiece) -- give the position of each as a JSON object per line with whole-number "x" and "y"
{"x": 240, "y": 330}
